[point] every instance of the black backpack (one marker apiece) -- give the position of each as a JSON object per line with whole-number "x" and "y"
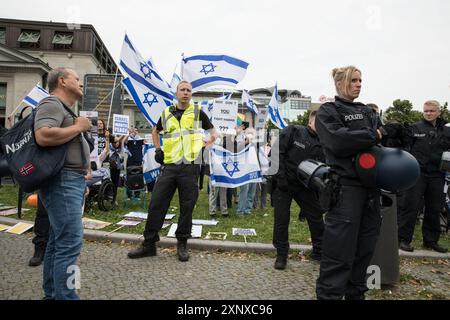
{"x": 31, "y": 165}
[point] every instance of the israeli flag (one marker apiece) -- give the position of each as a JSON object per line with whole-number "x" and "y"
{"x": 249, "y": 102}
{"x": 209, "y": 70}
{"x": 208, "y": 105}
{"x": 231, "y": 170}
{"x": 173, "y": 85}
{"x": 274, "y": 112}
{"x": 151, "y": 168}
{"x": 147, "y": 88}
{"x": 35, "y": 96}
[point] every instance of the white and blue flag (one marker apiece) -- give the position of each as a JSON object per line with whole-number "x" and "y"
{"x": 147, "y": 88}
{"x": 249, "y": 102}
{"x": 208, "y": 105}
{"x": 231, "y": 170}
{"x": 274, "y": 112}
{"x": 35, "y": 96}
{"x": 204, "y": 71}
{"x": 151, "y": 168}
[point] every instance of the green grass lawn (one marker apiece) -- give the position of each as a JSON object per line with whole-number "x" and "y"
{"x": 260, "y": 220}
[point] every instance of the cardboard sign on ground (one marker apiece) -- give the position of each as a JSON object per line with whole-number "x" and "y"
{"x": 20, "y": 228}
{"x": 196, "y": 231}
{"x": 94, "y": 224}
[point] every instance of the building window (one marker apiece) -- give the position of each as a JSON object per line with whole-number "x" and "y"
{"x": 295, "y": 104}
{"x": 62, "y": 40}
{"x": 30, "y": 39}
{"x": 140, "y": 122}
{"x": 2, "y": 35}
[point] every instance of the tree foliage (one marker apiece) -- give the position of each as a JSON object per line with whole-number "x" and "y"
{"x": 402, "y": 112}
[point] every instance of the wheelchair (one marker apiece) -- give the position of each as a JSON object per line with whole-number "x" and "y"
{"x": 134, "y": 184}
{"x": 101, "y": 191}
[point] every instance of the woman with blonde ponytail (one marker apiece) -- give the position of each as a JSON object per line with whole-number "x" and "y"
{"x": 346, "y": 128}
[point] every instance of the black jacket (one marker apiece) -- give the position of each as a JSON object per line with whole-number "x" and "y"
{"x": 345, "y": 129}
{"x": 427, "y": 143}
{"x": 297, "y": 143}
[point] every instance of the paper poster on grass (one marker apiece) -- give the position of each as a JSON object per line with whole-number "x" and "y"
{"x": 4, "y": 227}
{"x": 20, "y": 228}
{"x": 93, "y": 116}
{"x": 130, "y": 223}
{"x": 205, "y": 222}
{"x": 121, "y": 124}
{"x": 244, "y": 232}
{"x": 137, "y": 215}
{"x": 224, "y": 114}
{"x": 196, "y": 231}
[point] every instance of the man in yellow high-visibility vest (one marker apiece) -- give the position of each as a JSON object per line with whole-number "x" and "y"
{"x": 180, "y": 158}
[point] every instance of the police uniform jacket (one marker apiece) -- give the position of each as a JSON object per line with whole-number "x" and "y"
{"x": 297, "y": 143}
{"x": 427, "y": 143}
{"x": 345, "y": 129}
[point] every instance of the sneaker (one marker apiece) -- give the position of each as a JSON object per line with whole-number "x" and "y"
{"x": 434, "y": 246}
{"x": 182, "y": 251}
{"x": 405, "y": 246}
{"x": 280, "y": 262}
{"x": 37, "y": 258}
{"x": 145, "y": 250}
{"x": 212, "y": 214}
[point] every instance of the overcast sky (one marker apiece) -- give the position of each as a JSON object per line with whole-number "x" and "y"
{"x": 401, "y": 46}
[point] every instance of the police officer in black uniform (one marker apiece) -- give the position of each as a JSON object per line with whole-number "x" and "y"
{"x": 352, "y": 224}
{"x": 296, "y": 143}
{"x": 429, "y": 138}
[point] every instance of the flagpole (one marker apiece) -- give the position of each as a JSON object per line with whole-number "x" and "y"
{"x": 112, "y": 97}
{"x": 182, "y": 66}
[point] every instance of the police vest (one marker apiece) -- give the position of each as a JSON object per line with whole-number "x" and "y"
{"x": 182, "y": 139}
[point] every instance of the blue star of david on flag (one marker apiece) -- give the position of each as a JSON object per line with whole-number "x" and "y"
{"x": 208, "y": 68}
{"x": 146, "y": 70}
{"x": 148, "y": 101}
{"x": 234, "y": 168}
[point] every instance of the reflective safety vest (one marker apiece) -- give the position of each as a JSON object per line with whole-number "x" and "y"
{"x": 181, "y": 138}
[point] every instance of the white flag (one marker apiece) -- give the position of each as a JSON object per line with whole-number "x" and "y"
{"x": 148, "y": 90}
{"x": 274, "y": 112}
{"x": 204, "y": 71}
{"x": 231, "y": 170}
{"x": 35, "y": 96}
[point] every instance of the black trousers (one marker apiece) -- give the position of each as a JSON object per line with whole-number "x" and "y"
{"x": 41, "y": 227}
{"x": 115, "y": 179}
{"x": 183, "y": 177}
{"x": 431, "y": 188}
{"x": 309, "y": 205}
{"x": 352, "y": 227}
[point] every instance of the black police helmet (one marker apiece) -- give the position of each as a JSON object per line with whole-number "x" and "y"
{"x": 389, "y": 169}
{"x": 312, "y": 174}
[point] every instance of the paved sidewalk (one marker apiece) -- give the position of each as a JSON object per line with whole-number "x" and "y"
{"x": 106, "y": 273}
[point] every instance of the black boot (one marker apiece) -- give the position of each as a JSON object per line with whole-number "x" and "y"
{"x": 280, "y": 262}
{"x": 37, "y": 258}
{"x": 147, "y": 249}
{"x": 182, "y": 251}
